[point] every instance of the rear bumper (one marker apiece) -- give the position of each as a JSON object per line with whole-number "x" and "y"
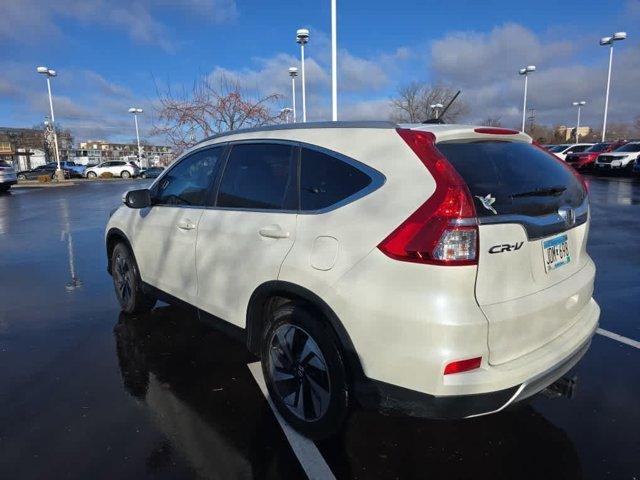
{"x": 5, "y": 183}
{"x": 393, "y": 399}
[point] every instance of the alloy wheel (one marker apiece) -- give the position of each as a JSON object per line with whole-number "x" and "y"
{"x": 299, "y": 372}
{"x": 123, "y": 278}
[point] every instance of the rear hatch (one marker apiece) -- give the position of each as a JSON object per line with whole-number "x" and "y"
{"x": 533, "y": 213}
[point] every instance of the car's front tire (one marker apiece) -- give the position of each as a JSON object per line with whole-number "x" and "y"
{"x": 22, "y": 177}
{"x": 92, "y": 174}
{"x": 304, "y": 370}
{"x": 127, "y": 282}
{"x": 125, "y": 174}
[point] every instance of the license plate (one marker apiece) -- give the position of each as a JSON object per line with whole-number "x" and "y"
{"x": 555, "y": 252}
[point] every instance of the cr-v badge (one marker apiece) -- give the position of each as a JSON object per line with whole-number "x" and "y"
{"x": 487, "y": 202}
{"x": 506, "y": 247}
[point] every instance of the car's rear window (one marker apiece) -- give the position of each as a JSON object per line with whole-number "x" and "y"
{"x": 522, "y": 178}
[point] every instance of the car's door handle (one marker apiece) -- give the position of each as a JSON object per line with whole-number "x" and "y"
{"x": 186, "y": 225}
{"x": 274, "y": 231}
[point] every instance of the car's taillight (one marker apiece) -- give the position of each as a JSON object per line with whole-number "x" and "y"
{"x": 443, "y": 230}
{"x": 460, "y": 366}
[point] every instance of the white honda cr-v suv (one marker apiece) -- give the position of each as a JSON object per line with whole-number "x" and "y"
{"x": 437, "y": 270}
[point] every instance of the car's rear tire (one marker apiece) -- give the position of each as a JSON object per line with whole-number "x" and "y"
{"x": 125, "y": 174}
{"x": 92, "y": 174}
{"x": 127, "y": 282}
{"x": 304, "y": 370}
{"x": 22, "y": 177}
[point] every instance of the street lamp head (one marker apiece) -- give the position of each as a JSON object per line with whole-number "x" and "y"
{"x": 51, "y": 73}
{"x": 436, "y": 105}
{"x": 43, "y": 70}
{"x": 606, "y": 40}
{"x": 302, "y": 35}
{"x": 135, "y": 110}
{"x": 619, "y": 36}
{"x": 293, "y": 71}
{"x": 527, "y": 69}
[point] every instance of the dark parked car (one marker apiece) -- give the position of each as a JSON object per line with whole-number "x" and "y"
{"x": 151, "y": 172}
{"x": 47, "y": 169}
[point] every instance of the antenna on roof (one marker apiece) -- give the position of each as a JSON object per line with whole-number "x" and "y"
{"x": 439, "y": 118}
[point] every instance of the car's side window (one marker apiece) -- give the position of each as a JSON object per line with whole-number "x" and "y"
{"x": 326, "y": 180}
{"x": 259, "y": 176}
{"x": 189, "y": 181}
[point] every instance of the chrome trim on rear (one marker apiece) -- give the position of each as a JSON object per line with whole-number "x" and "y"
{"x": 542, "y": 226}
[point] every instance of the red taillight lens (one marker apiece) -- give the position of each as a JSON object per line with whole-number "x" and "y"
{"x": 462, "y": 365}
{"x": 443, "y": 230}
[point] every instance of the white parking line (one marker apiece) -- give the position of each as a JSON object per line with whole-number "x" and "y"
{"x": 308, "y": 454}
{"x": 620, "y": 338}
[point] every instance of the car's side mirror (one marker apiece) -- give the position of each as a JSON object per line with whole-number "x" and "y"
{"x": 138, "y": 198}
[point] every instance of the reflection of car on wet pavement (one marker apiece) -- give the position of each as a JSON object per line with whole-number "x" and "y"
{"x": 176, "y": 369}
{"x": 394, "y": 271}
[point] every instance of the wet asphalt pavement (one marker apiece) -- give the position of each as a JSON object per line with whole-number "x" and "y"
{"x": 86, "y": 392}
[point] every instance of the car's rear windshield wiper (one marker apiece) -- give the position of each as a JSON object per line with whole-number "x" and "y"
{"x": 541, "y": 192}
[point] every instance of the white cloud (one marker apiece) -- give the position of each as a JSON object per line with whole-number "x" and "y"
{"x": 38, "y": 19}
{"x": 485, "y": 65}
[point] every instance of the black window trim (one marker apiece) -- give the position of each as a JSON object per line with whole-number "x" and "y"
{"x": 377, "y": 178}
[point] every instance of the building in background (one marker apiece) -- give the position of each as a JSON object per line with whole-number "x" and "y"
{"x": 569, "y": 133}
{"x": 27, "y": 148}
{"x": 92, "y": 152}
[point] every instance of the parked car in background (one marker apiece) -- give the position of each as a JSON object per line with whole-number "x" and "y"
{"x": 151, "y": 172}
{"x": 621, "y": 159}
{"x": 48, "y": 169}
{"x": 584, "y": 161}
{"x": 74, "y": 167}
{"x": 436, "y": 270}
{"x": 561, "y": 151}
{"x": 7, "y": 176}
{"x": 117, "y": 168}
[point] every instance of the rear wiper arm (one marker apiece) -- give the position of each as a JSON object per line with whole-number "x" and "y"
{"x": 541, "y": 192}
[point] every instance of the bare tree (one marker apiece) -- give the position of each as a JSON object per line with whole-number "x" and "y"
{"x": 412, "y": 103}
{"x": 214, "y": 104}
{"x": 491, "y": 122}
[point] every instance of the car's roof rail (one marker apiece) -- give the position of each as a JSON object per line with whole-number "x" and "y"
{"x": 307, "y": 125}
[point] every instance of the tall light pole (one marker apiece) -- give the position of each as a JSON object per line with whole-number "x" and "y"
{"x": 293, "y": 73}
{"x": 525, "y": 71}
{"x": 436, "y": 107}
{"x": 302, "y": 37}
{"x": 334, "y": 64}
{"x": 604, "y": 42}
{"x": 579, "y": 105}
{"x": 135, "y": 111}
{"x": 49, "y": 73}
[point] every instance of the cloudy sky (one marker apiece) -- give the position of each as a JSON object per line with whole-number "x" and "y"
{"x": 112, "y": 54}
